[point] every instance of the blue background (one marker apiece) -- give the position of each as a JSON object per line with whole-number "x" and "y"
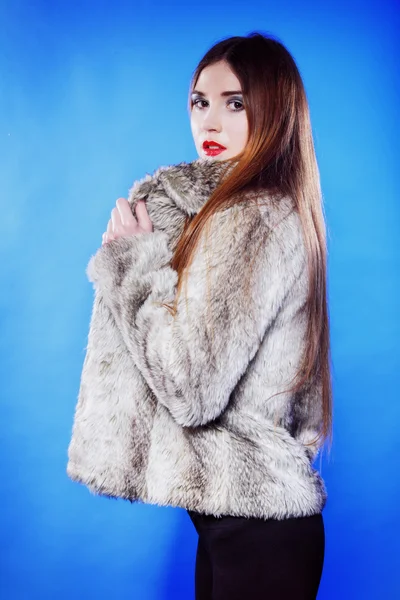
{"x": 92, "y": 96}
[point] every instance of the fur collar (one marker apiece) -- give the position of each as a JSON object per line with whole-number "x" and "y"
{"x": 187, "y": 184}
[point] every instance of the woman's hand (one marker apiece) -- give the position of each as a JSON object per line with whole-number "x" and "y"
{"x": 123, "y": 223}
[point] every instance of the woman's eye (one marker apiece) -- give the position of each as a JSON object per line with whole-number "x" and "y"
{"x": 196, "y": 102}
{"x": 236, "y": 102}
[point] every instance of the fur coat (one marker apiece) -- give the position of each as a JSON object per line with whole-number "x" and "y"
{"x": 180, "y": 412}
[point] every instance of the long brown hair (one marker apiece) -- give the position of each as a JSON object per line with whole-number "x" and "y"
{"x": 279, "y": 158}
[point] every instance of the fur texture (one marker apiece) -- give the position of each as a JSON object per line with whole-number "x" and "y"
{"x": 180, "y": 412}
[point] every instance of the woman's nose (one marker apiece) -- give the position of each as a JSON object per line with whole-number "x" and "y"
{"x": 211, "y": 122}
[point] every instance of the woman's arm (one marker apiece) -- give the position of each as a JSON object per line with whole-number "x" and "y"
{"x": 192, "y": 363}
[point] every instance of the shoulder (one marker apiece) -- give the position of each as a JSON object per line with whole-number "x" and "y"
{"x": 279, "y": 218}
{"x": 265, "y": 236}
{"x": 273, "y": 236}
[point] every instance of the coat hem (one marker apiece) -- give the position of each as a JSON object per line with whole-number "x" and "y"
{"x": 87, "y": 480}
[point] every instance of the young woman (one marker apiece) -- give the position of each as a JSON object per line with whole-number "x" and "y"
{"x": 206, "y": 383}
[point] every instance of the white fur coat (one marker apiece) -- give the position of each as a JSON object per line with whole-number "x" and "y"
{"x": 179, "y": 412}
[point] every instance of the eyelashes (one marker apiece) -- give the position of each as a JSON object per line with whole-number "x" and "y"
{"x": 195, "y": 102}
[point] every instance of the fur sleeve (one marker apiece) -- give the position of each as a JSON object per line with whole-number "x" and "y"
{"x": 238, "y": 281}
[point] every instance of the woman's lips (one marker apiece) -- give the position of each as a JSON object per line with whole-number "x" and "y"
{"x": 213, "y": 151}
{"x": 212, "y": 148}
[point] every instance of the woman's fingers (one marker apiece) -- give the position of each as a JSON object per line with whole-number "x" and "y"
{"x": 123, "y": 221}
{"x": 108, "y": 235}
{"x": 117, "y": 226}
{"x": 143, "y": 216}
{"x": 125, "y": 212}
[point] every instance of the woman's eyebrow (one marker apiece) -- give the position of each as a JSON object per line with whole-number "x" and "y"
{"x": 229, "y": 93}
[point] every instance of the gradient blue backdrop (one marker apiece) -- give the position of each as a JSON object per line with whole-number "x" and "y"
{"x": 92, "y": 96}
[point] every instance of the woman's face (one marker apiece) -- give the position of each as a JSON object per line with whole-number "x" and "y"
{"x": 218, "y": 114}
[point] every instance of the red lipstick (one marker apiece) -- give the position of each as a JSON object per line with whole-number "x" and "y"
{"x": 212, "y": 148}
